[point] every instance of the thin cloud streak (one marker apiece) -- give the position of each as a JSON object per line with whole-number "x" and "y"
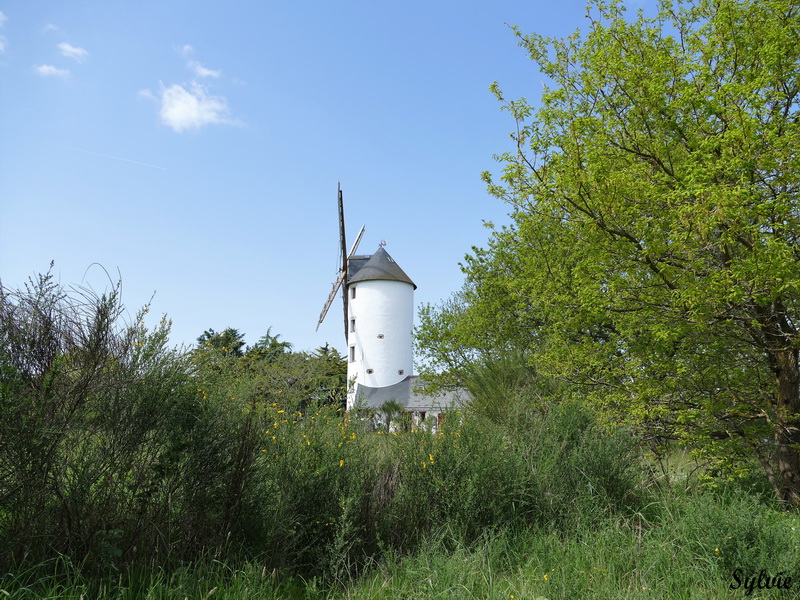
{"x": 127, "y": 160}
{"x": 202, "y": 71}
{"x": 51, "y": 71}
{"x": 3, "y": 39}
{"x": 73, "y": 52}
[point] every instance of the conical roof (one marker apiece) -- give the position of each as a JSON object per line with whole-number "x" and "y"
{"x": 379, "y": 266}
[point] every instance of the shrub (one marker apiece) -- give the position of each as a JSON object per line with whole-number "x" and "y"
{"x": 108, "y": 452}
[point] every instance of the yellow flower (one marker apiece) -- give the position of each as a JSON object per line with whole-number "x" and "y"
{"x": 545, "y": 577}
{"x": 430, "y": 458}
{"x": 341, "y": 463}
{"x": 281, "y": 411}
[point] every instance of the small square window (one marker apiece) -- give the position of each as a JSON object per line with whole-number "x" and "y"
{"x": 370, "y": 371}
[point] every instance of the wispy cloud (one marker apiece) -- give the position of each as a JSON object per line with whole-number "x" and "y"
{"x": 3, "y": 40}
{"x": 186, "y": 108}
{"x": 191, "y": 106}
{"x": 201, "y": 71}
{"x": 197, "y": 68}
{"x": 73, "y": 52}
{"x": 51, "y": 71}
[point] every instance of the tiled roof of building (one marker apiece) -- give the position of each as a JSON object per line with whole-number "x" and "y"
{"x": 411, "y": 393}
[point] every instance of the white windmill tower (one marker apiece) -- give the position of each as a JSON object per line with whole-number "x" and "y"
{"x": 378, "y": 300}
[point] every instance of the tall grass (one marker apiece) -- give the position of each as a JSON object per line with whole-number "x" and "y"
{"x": 202, "y": 579}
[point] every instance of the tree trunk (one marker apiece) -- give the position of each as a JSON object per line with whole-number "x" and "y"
{"x": 787, "y": 425}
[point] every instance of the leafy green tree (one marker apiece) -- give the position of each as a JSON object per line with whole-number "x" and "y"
{"x": 331, "y": 375}
{"x": 270, "y": 371}
{"x": 230, "y": 341}
{"x": 268, "y": 347}
{"x": 654, "y": 252}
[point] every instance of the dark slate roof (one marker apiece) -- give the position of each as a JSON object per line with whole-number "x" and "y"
{"x": 411, "y": 393}
{"x": 354, "y": 264}
{"x": 378, "y": 266}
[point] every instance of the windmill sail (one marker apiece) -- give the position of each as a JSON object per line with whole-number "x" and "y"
{"x": 331, "y": 297}
{"x": 341, "y": 280}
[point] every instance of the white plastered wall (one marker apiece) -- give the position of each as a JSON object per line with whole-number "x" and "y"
{"x": 380, "y": 330}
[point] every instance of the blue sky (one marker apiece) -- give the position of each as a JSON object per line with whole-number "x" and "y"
{"x": 194, "y": 148}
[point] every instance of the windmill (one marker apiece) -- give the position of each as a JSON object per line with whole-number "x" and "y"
{"x": 378, "y": 299}
{"x": 378, "y": 303}
{"x": 341, "y": 280}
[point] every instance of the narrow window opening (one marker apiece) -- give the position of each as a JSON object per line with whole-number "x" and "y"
{"x": 353, "y": 293}
{"x": 352, "y": 354}
{"x": 352, "y": 325}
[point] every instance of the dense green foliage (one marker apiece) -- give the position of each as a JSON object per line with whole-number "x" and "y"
{"x": 116, "y": 449}
{"x": 129, "y": 470}
{"x": 653, "y": 254}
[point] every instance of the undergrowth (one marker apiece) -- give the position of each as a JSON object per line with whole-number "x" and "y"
{"x": 130, "y": 470}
